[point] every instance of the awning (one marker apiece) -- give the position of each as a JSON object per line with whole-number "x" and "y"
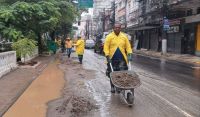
{"x": 145, "y": 27}
{"x": 142, "y": 27}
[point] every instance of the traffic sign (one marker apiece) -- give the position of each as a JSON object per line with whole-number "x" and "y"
{"x": 85, "y": 3}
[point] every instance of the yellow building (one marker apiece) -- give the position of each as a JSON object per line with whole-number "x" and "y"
{"x": 198, "y": 41}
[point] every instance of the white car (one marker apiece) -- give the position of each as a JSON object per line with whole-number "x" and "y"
{"x": 89, "y": 43}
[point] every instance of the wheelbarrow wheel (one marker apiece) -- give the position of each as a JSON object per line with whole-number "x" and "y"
{"x": 130, "y": 98}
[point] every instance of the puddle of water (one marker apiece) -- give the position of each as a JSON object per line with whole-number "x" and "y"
{"x": 46, "y": 87}
{"x": 101, "y": 96}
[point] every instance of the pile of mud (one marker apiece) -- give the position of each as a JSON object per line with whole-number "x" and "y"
{"x": 125, "y": 80}
{"x": 77, "y": 106}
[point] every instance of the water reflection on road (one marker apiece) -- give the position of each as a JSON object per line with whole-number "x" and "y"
{"x": 168, "y": 89}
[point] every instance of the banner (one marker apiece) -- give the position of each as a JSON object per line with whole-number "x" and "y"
{"x": 85, "y": 3}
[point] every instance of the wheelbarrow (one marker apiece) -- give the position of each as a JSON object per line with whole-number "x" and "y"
{"x": 125, "y": 82}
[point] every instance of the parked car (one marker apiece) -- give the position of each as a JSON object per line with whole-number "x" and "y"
{"x": 89, "y": 43}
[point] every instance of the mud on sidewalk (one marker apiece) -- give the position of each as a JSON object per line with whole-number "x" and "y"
{"x": 13, "y": 84}
{"x": 76, "y": 100}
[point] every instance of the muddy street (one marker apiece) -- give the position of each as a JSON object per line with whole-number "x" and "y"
{"x": 158, "y": 96}
{"x": 86, "y": 92}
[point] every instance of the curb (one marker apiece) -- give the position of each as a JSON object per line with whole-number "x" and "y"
{"x": 188, "y": 64}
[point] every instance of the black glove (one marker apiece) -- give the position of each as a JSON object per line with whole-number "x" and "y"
{"x": 108, "y": 59}
{"x": 129, "y": 57}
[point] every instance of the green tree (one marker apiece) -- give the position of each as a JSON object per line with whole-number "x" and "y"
{"x": 33, "y": 18}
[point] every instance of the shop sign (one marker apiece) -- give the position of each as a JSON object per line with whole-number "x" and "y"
{"x": 175, "y": 22}
{"x": 166, "y": 24}
{"x": 173, "y": 29}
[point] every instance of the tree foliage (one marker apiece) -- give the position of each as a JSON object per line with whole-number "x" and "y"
{"x": 26, "y": 18}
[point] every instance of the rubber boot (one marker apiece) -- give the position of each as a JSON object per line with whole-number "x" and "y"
{"x": 81, "y": 60}
{"x": 80, "y": 57}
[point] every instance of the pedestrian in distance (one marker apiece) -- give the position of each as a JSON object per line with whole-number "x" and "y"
{"x": 118, "y": 51}
{"x": 68, "y": 46}
{"x": 80, "y": 46}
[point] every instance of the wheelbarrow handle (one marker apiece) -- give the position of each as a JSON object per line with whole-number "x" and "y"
{"x": 129, "y": 66}
{"x": 111, "y": 67}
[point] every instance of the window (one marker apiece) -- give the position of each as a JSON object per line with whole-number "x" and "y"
{"x": 189, "y": 12}
{"x": 198, "y": 10}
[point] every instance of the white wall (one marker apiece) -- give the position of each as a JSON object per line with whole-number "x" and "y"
{"x": 7, "y": 62}
{"x": 28, "y": 58}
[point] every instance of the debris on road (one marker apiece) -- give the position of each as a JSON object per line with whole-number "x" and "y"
{"x": 77, "y": 105}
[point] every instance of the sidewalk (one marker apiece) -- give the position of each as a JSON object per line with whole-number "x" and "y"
{"x": 46, "y": 87}
{"x": 13, "y": 84}
{"x": 184, "y": 58}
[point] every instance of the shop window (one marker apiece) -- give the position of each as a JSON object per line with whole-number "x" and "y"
{"x": 198, "y": 10}
{"x": 189, "y": 12}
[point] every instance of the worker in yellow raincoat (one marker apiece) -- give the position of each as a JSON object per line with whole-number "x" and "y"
{"x": 118, "y": 51}
{"x": 80, "y": 46}
{"x": 68, "y": 46}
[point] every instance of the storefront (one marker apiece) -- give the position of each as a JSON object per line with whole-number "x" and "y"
{"x": 174, "y": 39}
{"x": 174, "y": 36}
{"x": 154, "y": 39}
{"x": 147, "y": 37}
{"x": 188, "y": 42}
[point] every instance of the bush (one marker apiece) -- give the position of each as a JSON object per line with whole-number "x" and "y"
{"x": 24, "y": 47}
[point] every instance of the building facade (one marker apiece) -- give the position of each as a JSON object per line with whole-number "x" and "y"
{"x": 101, "y": 16}
{"x": 183, "y": 20}
{"x": 187, "y": 15}
{"x": 150, "y": 21}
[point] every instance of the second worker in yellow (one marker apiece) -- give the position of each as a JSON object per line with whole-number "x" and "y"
{"x": 80, "y": 46}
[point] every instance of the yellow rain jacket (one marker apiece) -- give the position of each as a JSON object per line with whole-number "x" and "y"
{"x": 113, "y": 42}
{"x": 80, "y": 46}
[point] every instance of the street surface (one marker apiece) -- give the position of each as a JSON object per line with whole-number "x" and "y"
{"x": 168, "y": 89}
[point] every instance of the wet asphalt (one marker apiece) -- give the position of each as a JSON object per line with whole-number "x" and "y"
{"x": 169, "y": 89}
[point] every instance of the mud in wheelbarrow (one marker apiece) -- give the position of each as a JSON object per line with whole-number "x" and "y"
{"x": 125, "y": 82}
{"x": 125, "y": 79}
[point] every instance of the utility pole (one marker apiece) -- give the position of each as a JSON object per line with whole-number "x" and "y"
{"x": 165, "y": 25}
{"x": 113, "y": 15}
{"x": 88, "y": 36}
{"x": 125, "y": 16}
{"x": 88, "y": 28}
{"x": 104, "y": 18}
